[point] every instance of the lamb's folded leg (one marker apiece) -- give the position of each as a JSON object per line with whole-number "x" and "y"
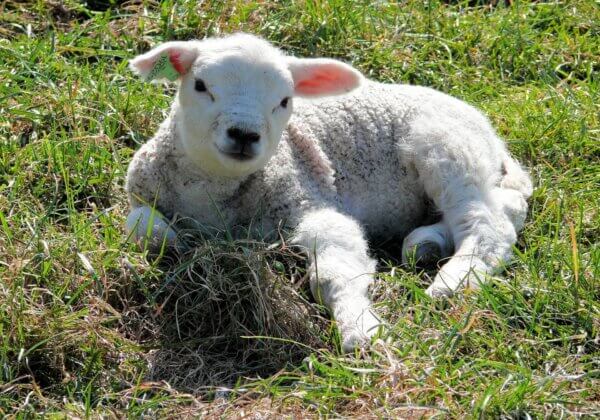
{"x": 484, "y": 235}
{"x": 147, "y": 224}
{"x": 340, "y": 272}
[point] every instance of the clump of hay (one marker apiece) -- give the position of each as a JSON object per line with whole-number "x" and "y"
{"x": 231, "y": 309}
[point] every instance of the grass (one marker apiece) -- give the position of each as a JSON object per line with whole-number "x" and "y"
{"x": 82, "y": 313}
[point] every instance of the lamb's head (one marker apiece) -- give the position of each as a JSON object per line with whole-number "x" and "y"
{"x": 235, "y": 96}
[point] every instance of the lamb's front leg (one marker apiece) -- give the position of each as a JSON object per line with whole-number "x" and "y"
{"x": 147, "y": 224}
{"x": 340, "y": 272}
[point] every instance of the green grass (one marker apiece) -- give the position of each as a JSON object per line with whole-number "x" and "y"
{"x": 80, "y": 312}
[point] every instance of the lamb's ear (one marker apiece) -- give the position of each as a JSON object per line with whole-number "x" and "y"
{"x": 167, "y": 61}
{"x": 314, "y": 77}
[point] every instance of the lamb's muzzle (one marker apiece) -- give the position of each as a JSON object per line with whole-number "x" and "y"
{"x": 242, "y": 147}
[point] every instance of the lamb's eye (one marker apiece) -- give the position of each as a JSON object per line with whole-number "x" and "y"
{"x": 200, "y": 86}
{"x": 284, "y": 102}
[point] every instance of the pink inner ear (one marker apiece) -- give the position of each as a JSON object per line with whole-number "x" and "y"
{"x": 325, "y": 80}
{"x": 175, "y": 59}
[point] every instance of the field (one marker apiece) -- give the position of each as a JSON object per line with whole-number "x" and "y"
{"x": 90, "y": 327}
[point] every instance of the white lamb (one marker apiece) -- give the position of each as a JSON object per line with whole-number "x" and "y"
{"x": 354, "y": 158}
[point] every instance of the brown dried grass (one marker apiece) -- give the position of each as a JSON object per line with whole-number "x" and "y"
{"x": 224, "y": 312}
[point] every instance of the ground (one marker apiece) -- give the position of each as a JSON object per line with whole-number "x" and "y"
{"x": 83, "y": 312}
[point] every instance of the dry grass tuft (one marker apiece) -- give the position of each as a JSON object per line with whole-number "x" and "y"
{"x": 224, "y": 312}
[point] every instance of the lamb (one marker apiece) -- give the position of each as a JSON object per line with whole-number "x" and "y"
{"x": 254, "y": 133}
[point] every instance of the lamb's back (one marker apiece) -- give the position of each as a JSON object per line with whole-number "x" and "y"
{"x": 362, "y": 135}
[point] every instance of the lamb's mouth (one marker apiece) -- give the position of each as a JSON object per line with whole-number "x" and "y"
{"x": 243, "y": 154}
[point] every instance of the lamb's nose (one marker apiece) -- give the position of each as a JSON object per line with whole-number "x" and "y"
{"x": 243, "y": 137}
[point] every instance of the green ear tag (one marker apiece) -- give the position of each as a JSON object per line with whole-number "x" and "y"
{"x": 163, "y": 69}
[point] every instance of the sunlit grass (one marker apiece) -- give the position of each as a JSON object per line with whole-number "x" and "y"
{"x": 81, "y": 313}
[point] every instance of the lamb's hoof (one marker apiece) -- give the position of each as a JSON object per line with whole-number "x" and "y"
{"x": 428, "y": 254}
{"x": 151, "y": 231}
{"x": 437, "y": 291}
{"x": 358, "y": 333}
{"x": 453, "y": 277}
{"x": 445, "y": 283}
{"x": 424, "y": 254}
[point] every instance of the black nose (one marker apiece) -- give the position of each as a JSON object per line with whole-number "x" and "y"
{"x": 243, "y": 137}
